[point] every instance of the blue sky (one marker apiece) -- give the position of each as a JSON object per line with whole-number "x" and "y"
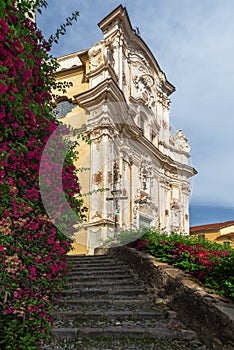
{"x": 193, "y": 41}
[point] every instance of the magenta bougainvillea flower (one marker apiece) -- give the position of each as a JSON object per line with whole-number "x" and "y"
{"x": 32, "y": 250}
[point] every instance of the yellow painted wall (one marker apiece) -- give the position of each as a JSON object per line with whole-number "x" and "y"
{"x": 77, "y": 118}
{"x": 225, "y": 239}
{"x": 225, "y": 230}
{"x": 76, "y": 77}
{"x": 211, "y": 236}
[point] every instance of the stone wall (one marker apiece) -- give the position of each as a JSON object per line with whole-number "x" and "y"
{"x": 211, "y": 316}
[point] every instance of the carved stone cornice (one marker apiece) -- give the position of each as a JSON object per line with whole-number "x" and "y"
{"x": 99, "y": 70}
{"x": 107, "y": 90}
{"x": 101, "y": 222}
{"x": 174, "y": 149}
{"x": 166, "y": 161}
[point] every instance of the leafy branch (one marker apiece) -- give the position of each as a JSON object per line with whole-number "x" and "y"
{"x": 54, "y": 38}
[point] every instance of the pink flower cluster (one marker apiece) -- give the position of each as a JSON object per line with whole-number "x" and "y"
{"x": 202, "y": 255}
{"x": 33, "y": 253}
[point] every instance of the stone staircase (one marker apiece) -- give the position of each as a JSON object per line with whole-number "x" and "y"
{"x": 106, "y": 306}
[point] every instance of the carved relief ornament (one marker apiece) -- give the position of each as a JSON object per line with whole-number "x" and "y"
{"x": 97, "y": 55}
{"x": 144, "y": 84}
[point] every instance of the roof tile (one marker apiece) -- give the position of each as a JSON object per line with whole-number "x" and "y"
{"x": 210, "y": 227}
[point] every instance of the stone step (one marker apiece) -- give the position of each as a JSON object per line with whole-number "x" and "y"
{"x": 122, "y": 344}
{"x": 94, "y": 264}
{"x": 96, "y": 292}
{"x": 89, "y": 258}
{"x": 105, "y": 306}
{"x": 95, "y": 268}
{"x": 156, "y": 320}
{"x": 84, "y": 256}
{"x": 113, "y": 315}
{"x": 101, "y": 277}
{"x": 99, "y": 284}
{"x": 159, "y": 317}
{"x": 106, "y": 302}
{"x": 120, "y": 332}
{"x": 99, "y": 272}
{"x": 87, "y": 263}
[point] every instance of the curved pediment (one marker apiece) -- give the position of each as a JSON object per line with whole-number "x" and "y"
{"x": 117, "y": 23}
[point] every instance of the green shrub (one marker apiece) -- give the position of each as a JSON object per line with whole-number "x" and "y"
{"x": 209, "y": 263}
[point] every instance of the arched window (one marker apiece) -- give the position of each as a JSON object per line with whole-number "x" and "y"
{"x": 62, "y": 109}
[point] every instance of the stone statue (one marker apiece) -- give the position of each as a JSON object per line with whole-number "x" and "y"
{"x": 181, "y": 142}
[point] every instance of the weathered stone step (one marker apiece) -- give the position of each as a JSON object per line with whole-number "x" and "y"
{"x": 124, "y": 283}
{"x": 113, "y": 315}
{"x": 120, "y": 332}
{"x": 78, "y": 269}
{"x": 101, "y": 277}
{"x": 96, "y": 292}
{"x": 130, "y": 304}
{"x": 106, "y": 302}
{"x": 99, "y": 263}
{"x": 95, "y": 264}
{"x": 158, "y": 320}
{"x": 123, "y": 344}
{"x": 84, "y": 256}
{"x": 90, "y": 258}
{"x": 99, "y": 272}
{"x": 105, "y": 306}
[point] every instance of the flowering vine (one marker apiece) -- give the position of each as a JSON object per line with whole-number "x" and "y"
{"x": 33, "y": 263}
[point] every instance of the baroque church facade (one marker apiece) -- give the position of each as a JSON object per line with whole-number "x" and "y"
{"x": 136, "y": 171}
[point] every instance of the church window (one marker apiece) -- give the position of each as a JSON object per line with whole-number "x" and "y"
{"x": 62, "y": 109}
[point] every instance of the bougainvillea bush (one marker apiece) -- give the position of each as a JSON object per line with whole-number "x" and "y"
{"x": 33, "y": 250}
{"x": 210, "y": 264}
